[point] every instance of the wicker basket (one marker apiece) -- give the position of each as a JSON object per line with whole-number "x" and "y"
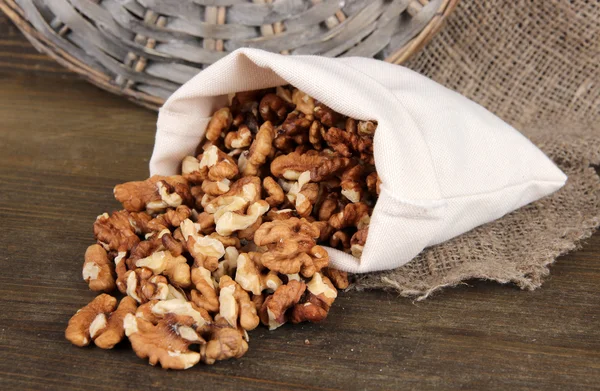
{"x": 145, "y": 49}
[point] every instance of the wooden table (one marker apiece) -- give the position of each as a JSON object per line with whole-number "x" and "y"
{"x": 63, "y": 146}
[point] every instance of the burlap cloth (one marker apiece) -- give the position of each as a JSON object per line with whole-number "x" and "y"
{"x": 537, "y": 66}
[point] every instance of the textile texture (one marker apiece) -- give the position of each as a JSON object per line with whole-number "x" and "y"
{"x": 441, "y": 174}
{"x": 535, "y": 65}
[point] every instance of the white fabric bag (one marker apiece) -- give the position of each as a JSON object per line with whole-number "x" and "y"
{"x": 447, "y": 165}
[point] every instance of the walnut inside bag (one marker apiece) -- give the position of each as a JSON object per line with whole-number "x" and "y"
{"x": 237, "y": 238}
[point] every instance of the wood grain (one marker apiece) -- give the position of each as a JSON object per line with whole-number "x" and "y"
{"x": 17, "y": 54}
{"x": 64, "y": 144}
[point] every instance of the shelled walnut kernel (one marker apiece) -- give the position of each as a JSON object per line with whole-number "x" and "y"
{"x": 236, "y": 239}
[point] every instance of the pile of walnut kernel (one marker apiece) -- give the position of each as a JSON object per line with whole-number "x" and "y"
{"x": 235, "y": 240}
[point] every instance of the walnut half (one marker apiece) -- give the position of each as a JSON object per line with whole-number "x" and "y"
{"x": 100, "y": 322}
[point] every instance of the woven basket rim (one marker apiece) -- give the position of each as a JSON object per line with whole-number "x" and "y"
{"x": 42, "y": 44}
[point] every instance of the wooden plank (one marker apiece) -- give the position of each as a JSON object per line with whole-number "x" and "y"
{"x": 17, "y": 54}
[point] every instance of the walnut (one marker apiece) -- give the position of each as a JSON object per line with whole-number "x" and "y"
{"x": 351, "y": 183}
{"x": 171, "y": 218}
{"x": 206, "y": 221}
{"x": 167, "y": 342}
{"x": 321, "y": 295}
{"x": 340, "y": 140}
{"x": 219, "y": 123}
{"x": 247, "y": 101}
{"x": 226, "y": 240}
{"x": 272, "y": 311}
{"x": 351, "y": 142}
{"x": 291, "y": 247}
{"x": 259, "y": 150}
{"x": 241, "y": 138}
{"x": 326, "y": 115}
{"x": 188, "y": 228}
{"x": 258, "y": 301}
{"x": 294, "y": 188}
{"x": 206, "y": 199}
{"x": 213, "y": 164}
{"x": 248, "y": 233}
{"x": 285, "y": 144}
{"x": 306, "y": 198}
{"x": 353, "y": 215}
{"x": 351, "y": 126}
{"x": 357, "y": 243}
{"x": 144, "y": 311}
{"x": 315, "y": 135}
{"x": 250, "y": 275}
{"x": 174, "y": 246}
{"x": 228, "y": 265}
{"x": 238, "y": 119}
{"x": 293, "y": 131}
{"x": 121, "y": 270}
{"x": 252, "y": 247}
{"x": 98, "y": 269}
{"x": 366, "y": 128}
{"x": 337, "y": 277}
{"x": 320, "y": 165}
{"x": 243, "y": 161}
{"x": 279, "y": 214}
{"x": 272, "y": 108}
{"x": 326, "y": 231}
{"x": 146, "y": 247}
{"x": 114, "y": 332}
{"x": 275, "y": 192}
{"x": 241, "y": 193}
{"x": 205, "y": 294}
{"x": 206, "y": 251}
{"x": 100, "y": 322}
{"x": 162, "y": 343}
{"x": 197, "y": 195}
{"x": 230, "y": 222}
{"x": 374, "y": 183}
{"x": 340, "y": 240}
{"x": 191, "y": 171}
{"x": 175, "y": 268}
{"x": 225, "y": 342}
{"x": 236, "y": 153}
{"x": 216, "y": 188}
{"x": 155, "y": 194}
{"x": 294, "y": 277}
{"x": 224, "y": 168}
{"x": 143, "y": 285}
{"x": 183, "y": 308}
{"x": 251, "y": 120}
{"x": 235, "y": 303}
{"x": 304, "y": 103}
{"x": 284, "y": 93}
{"x": 119, "y": 231}
{"x": 330, "y": 205}
{"x": 176, "y": 293}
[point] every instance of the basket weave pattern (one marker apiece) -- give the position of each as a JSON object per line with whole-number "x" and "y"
{"x": 145, "y": 49}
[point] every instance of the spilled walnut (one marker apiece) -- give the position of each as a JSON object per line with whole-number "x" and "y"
{"x": 238, "y": 238}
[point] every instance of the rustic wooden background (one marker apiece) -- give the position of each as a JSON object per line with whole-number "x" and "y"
{"x": 64, "y": 144}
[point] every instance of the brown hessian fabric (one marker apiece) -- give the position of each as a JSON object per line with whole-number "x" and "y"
{"x": 535, "y": 64}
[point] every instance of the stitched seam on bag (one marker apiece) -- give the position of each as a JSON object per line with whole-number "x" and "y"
{"x": 414, "y": 202}
{"x": 508, "y": 187}
{"x": 178, "y": 113}
{"x": 430, "y": 155}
